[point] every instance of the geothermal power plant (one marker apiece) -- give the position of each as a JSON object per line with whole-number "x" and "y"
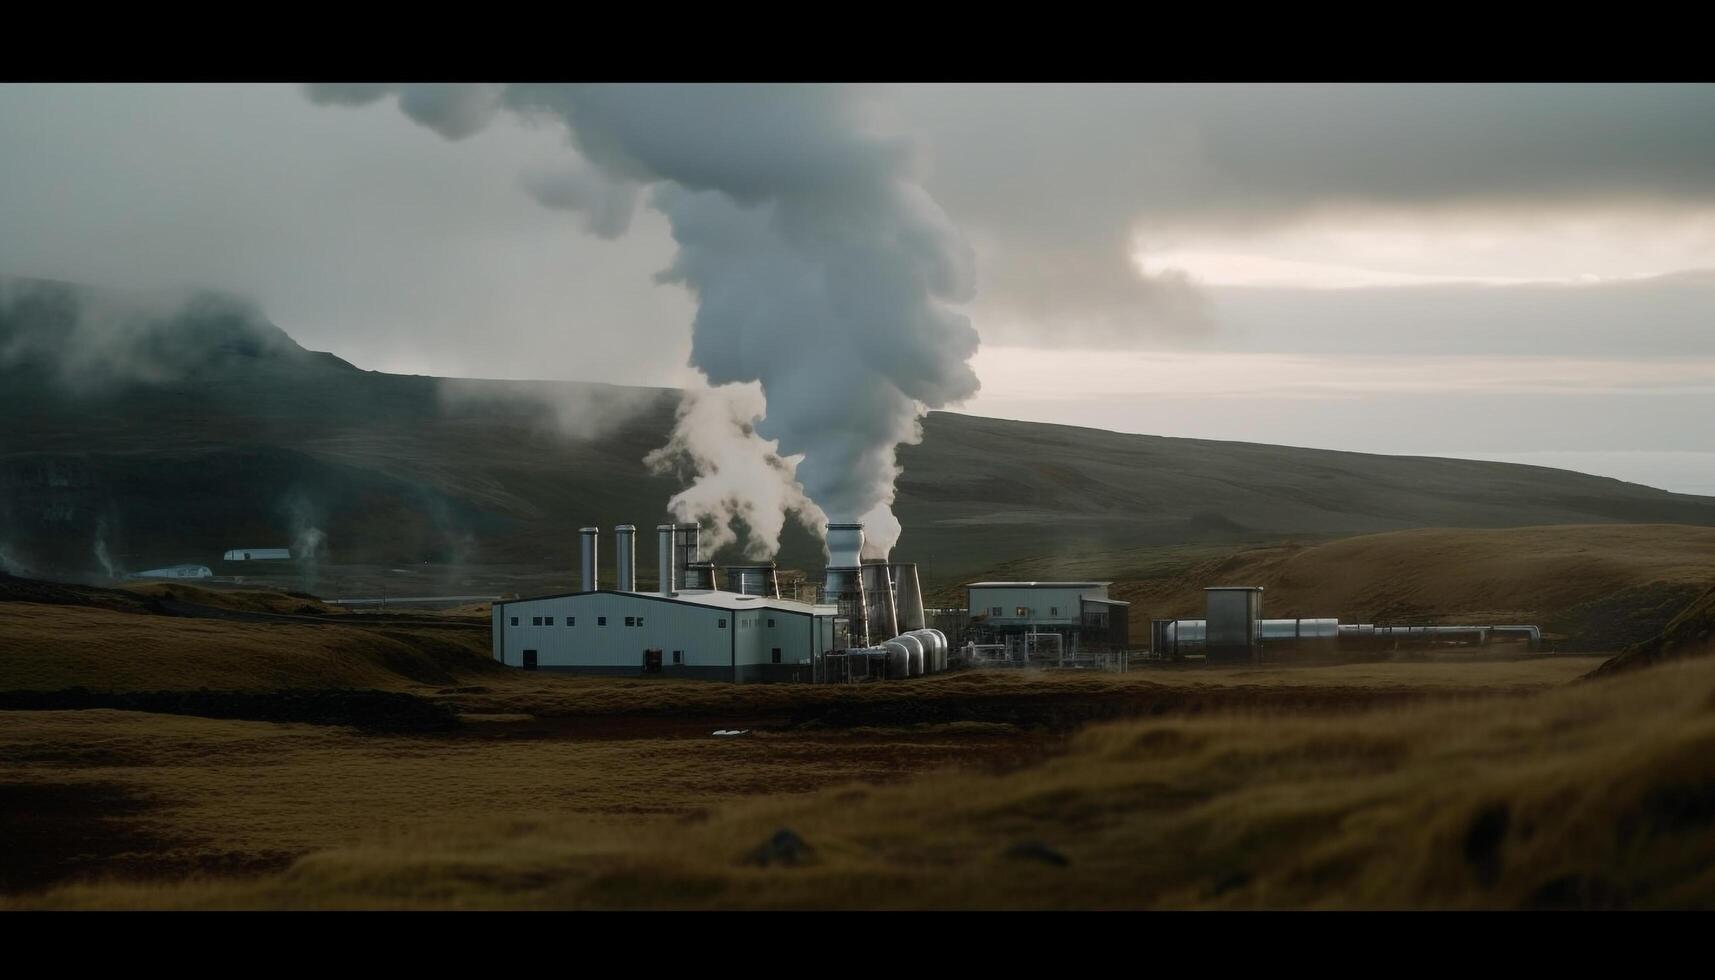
{"x": 730, "y": 623}
{"x": 867, "y": 621}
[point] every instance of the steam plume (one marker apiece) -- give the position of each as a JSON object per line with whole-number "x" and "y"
{"x": 822, "y": 270}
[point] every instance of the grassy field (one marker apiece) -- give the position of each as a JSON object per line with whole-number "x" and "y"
{"x": 1554, "y": 793}
{"x": 1484, "y": 778}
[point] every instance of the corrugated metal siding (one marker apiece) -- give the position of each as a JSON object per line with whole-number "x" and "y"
{"x": 694, "y": 630}
{"x": 1068, "y": 600}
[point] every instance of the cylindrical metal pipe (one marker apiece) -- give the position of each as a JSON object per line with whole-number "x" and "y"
{"x": 587, "y": 542}
{"x": 665, "y": 563}
{"x": 625, "y": 544}
{"x": 915, "y": 647}
{"x": 898, "y": 660}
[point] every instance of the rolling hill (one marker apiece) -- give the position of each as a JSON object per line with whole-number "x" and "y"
{"x": 140, "y": 439}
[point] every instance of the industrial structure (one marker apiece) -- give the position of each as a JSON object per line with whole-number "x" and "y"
{"x": 174, "y": 572}
{"x": 258, "y": 554}
{"x": 1233, "y": 631}
{"x": 867, "y": 625}
{"x": 1061, "y": 624}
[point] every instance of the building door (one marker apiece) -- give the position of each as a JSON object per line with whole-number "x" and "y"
{"x": 652, "y": 661}
{"x": 529, "y": 660}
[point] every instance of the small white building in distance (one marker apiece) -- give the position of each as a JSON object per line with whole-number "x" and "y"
{"x": 259, "y": 554}
{"x": 176, "y": 571}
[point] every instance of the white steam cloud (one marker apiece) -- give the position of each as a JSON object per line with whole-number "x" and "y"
{"x": 738, "y": 474}
{"x": 823, "y": 273}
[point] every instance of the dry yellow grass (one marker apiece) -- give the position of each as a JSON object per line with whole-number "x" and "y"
{"x": 50, "y": 647}
{"x": 1589, "y": 793}
{"x": 1525, "y": 574}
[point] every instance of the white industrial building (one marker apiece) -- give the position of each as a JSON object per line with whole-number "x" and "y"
{"x": 258, "y": 554}
{"x": 1081, "y": 612}
{"x": 686, "y": 631}
{"x": 175, "y": 571}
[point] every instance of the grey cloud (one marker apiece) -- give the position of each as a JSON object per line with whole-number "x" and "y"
{"x": 1662, "y": 316}
{"x": 821, "y": 270}
{"x": 607, "y": 205}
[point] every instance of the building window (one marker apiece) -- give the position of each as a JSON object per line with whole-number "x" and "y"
{"x": 720, "y": 624}
{"x": 535, "y": 620}
{"x": 771, "y": 624}
{"x": 640, "y": 620}
{"x": 571, "y": 620}
{"x": 1053, "y": 610}
{"x": 995, "y": 611}
{"x": 1022, "y": 611}
{"x": 601, "y": 620}
{"x": 678, "y": 656}
{"x": 776, "y": 654}
{"x": 631, "y": 620}
{"x": 515, "y": 620}
{"x": 547, "y": 620}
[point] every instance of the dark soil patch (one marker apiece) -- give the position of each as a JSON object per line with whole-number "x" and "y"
{"x": 52, "y": 832}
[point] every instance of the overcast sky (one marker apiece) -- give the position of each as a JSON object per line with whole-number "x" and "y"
{"x": 1510, "y": 272}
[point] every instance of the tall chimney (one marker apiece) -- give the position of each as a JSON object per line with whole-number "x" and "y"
{"x": 624, "y": 543}
{"x": 666, "y": 559}
{"x": 587, "y": 538}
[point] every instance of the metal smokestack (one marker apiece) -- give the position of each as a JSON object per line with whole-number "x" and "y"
{"x": 624, "y": 543}
{"x": 587, "y": 542}
{"x": 907, "y": 596}
{"x": 665, "y": 561}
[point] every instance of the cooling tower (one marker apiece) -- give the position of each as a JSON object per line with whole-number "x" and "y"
{"x": 907, "y": 596}
{"x": 879, "y": 612}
